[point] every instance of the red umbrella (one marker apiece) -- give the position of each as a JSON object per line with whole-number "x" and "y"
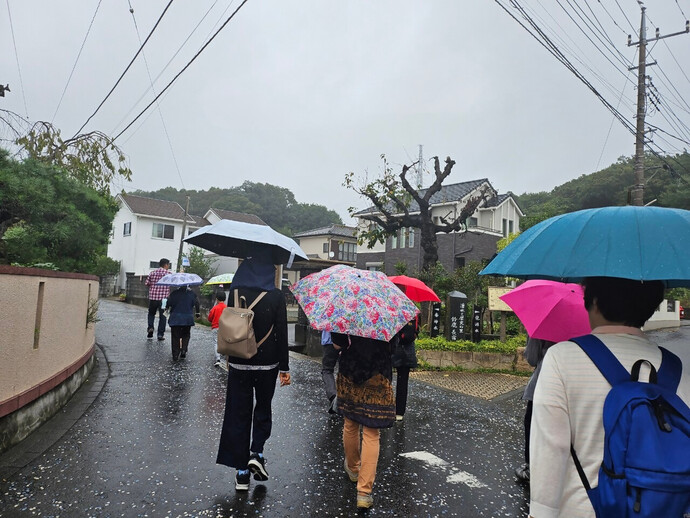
{"x": 415, "y": 289}
{"x": 550, "y": 310}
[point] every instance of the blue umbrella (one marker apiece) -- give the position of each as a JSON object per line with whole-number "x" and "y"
{"x": 180, "y": 279}
{"x": 640, "y": 243}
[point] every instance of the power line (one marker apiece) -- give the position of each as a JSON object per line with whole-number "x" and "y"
{"x": 681, "y": 10}
{"x": 126, "y": 69}
{"x": 16, "y": 55}
{"x": 126, "y": 116}
{"x": 626, "y": 17}
{"x": 76, "y": 61}
{"x": 183, "y": 69}
{"x": 160, "y": 112}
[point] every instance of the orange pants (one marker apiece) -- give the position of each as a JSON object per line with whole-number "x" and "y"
{"x": 362, "y": 460}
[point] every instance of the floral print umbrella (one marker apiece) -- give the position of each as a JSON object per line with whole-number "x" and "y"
{"x": 364, "y": 303}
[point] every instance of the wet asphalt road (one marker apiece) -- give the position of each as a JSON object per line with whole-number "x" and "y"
{"x": 147, "y": 446}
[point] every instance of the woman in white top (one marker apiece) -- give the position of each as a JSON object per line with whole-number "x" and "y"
{"x": 569, "y": 396}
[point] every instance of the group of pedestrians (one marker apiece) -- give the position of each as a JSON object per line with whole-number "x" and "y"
{"x": 181, "y": 305}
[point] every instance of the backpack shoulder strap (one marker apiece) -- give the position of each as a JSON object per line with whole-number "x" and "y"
{"x": 265, "y": 337}
{"x": 603, "y": 358}
{"x": 257, "y": 299}
{"x": 669, "y": 370}
{"x": 237, "y": 299}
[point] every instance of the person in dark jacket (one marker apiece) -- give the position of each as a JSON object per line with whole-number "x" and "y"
{"x": 404, "y": 359}
{"x": 183, "y": 304}
{"x": 247, "y": 424}
{"x": 365, "y": 400}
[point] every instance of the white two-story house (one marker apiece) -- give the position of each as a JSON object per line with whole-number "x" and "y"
{"x": 145, "y": 230}
{"x": 495, "y": 218}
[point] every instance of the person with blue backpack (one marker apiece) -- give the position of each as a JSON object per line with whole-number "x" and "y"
{"x": 611, "y": 425}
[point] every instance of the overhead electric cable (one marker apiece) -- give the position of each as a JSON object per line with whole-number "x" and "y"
{"x": 160, "y": 112}
{"x": 76, "y": 61}
{"x": 16, "y": 56}
{"x": 126, "y": 69}
{"x": 603, "y": 6}
{"x": 126, "y": 116}
{"x": 182, "y": 71}
{"x": 626, "y": 17}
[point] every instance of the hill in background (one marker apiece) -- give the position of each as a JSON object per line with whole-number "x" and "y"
{"x": 610, "y": 187}
{"x": 275, "y": 205}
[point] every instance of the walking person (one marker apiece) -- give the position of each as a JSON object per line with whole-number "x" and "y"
{"x": 534, "y": 354}
{"x": 214, "y": 318}
{"x": 569, "y": 399}
{"x": 328, "y": 363}
{"x": 365, "y": 400}
{"x": 248, "y": 421}
{"x": 404, "y": 358}
{"x": 157, "y": 294}
{"x": 184, "y": 305}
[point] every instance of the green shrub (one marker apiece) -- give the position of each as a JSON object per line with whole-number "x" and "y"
{"x": 488, "y": 346}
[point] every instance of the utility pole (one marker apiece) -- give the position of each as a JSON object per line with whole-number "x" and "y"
{"x": 637, "y": 197}
{"x": 420, "y": 169}
{"x": 184, "y": 229}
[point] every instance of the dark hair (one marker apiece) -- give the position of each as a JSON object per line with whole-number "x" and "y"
{"x": 220, "y": 296}
{"x": 163, "y": 262}
{"x": 623, "y": 300}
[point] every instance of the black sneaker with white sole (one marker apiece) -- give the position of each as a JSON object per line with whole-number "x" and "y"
{"x": 242, "y": 481}
{"x": 257, "y": 465}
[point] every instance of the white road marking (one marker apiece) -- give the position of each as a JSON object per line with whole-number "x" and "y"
{"x": 463, "y": 477}
{"x": 425, "y": 456}
{"x": 457, "y": 477}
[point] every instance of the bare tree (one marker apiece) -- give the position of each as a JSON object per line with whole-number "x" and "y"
{"x": 392, "y": 196}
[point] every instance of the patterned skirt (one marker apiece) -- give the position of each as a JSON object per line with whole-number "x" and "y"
{"x": 371, "y": 403}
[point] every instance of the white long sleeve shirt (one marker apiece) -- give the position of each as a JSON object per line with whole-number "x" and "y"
{"x": 568, "y": 407}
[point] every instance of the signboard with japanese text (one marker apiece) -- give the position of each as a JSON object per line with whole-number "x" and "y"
{"x": 496, "y": 304}
{"x": 435, "y": 319}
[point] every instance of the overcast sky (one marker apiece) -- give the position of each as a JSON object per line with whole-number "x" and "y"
{"x": 299, "y": 93}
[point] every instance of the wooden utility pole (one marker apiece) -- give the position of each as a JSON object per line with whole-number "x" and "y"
{"x": 184, "y": 229}
{"x": 637, "y": 194}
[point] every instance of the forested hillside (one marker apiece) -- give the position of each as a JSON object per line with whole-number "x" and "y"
{"x": 669, "y": 186}
{"x": 275, "y": 205}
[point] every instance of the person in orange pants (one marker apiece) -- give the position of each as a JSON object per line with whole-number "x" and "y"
{"x": 365, "y": 400}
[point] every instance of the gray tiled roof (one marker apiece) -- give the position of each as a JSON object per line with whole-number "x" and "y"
{"x": 497, "y": 200}
{"x": 447, "y": 194}
{"x": 199, "y": 221}
{"x": 331, "y": 230}
{"x": 238, "y": 216}
{"x": 156, "y": 208}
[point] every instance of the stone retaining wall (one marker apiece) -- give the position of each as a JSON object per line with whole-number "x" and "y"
{"x": 476, "y": 360}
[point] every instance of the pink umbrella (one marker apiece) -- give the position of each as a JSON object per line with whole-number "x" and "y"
{"x": 550, "y": 310}
{"x": 415, "y": 289}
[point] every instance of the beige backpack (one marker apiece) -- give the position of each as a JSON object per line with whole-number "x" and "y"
{"x": 236, "y": 329}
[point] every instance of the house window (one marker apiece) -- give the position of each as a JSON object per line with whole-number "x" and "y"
{"x": 505, "y": 228}
{"x": 403, "y": 232}
{"x": 128, "y": 229}
{"x": 347, "y": 252}
{"x": 472, "y": 222}
{"x": 410, "y": 241}
{"x": 459, "y": 262}
{"x": 191, "y": 231}
{"x": 163, "y": 231}
{"x": 510, "y": 227}
{"x": 325, "y": 248}
{"x": 154, "y": 264}
{"x": 394, "y": 240}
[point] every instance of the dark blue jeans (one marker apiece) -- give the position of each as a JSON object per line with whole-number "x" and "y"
{"x": 155, "y": 305}
{"x": 245, "y": 421}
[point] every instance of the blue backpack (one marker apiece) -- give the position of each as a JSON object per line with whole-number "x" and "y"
{"x": 646, "y": 467}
